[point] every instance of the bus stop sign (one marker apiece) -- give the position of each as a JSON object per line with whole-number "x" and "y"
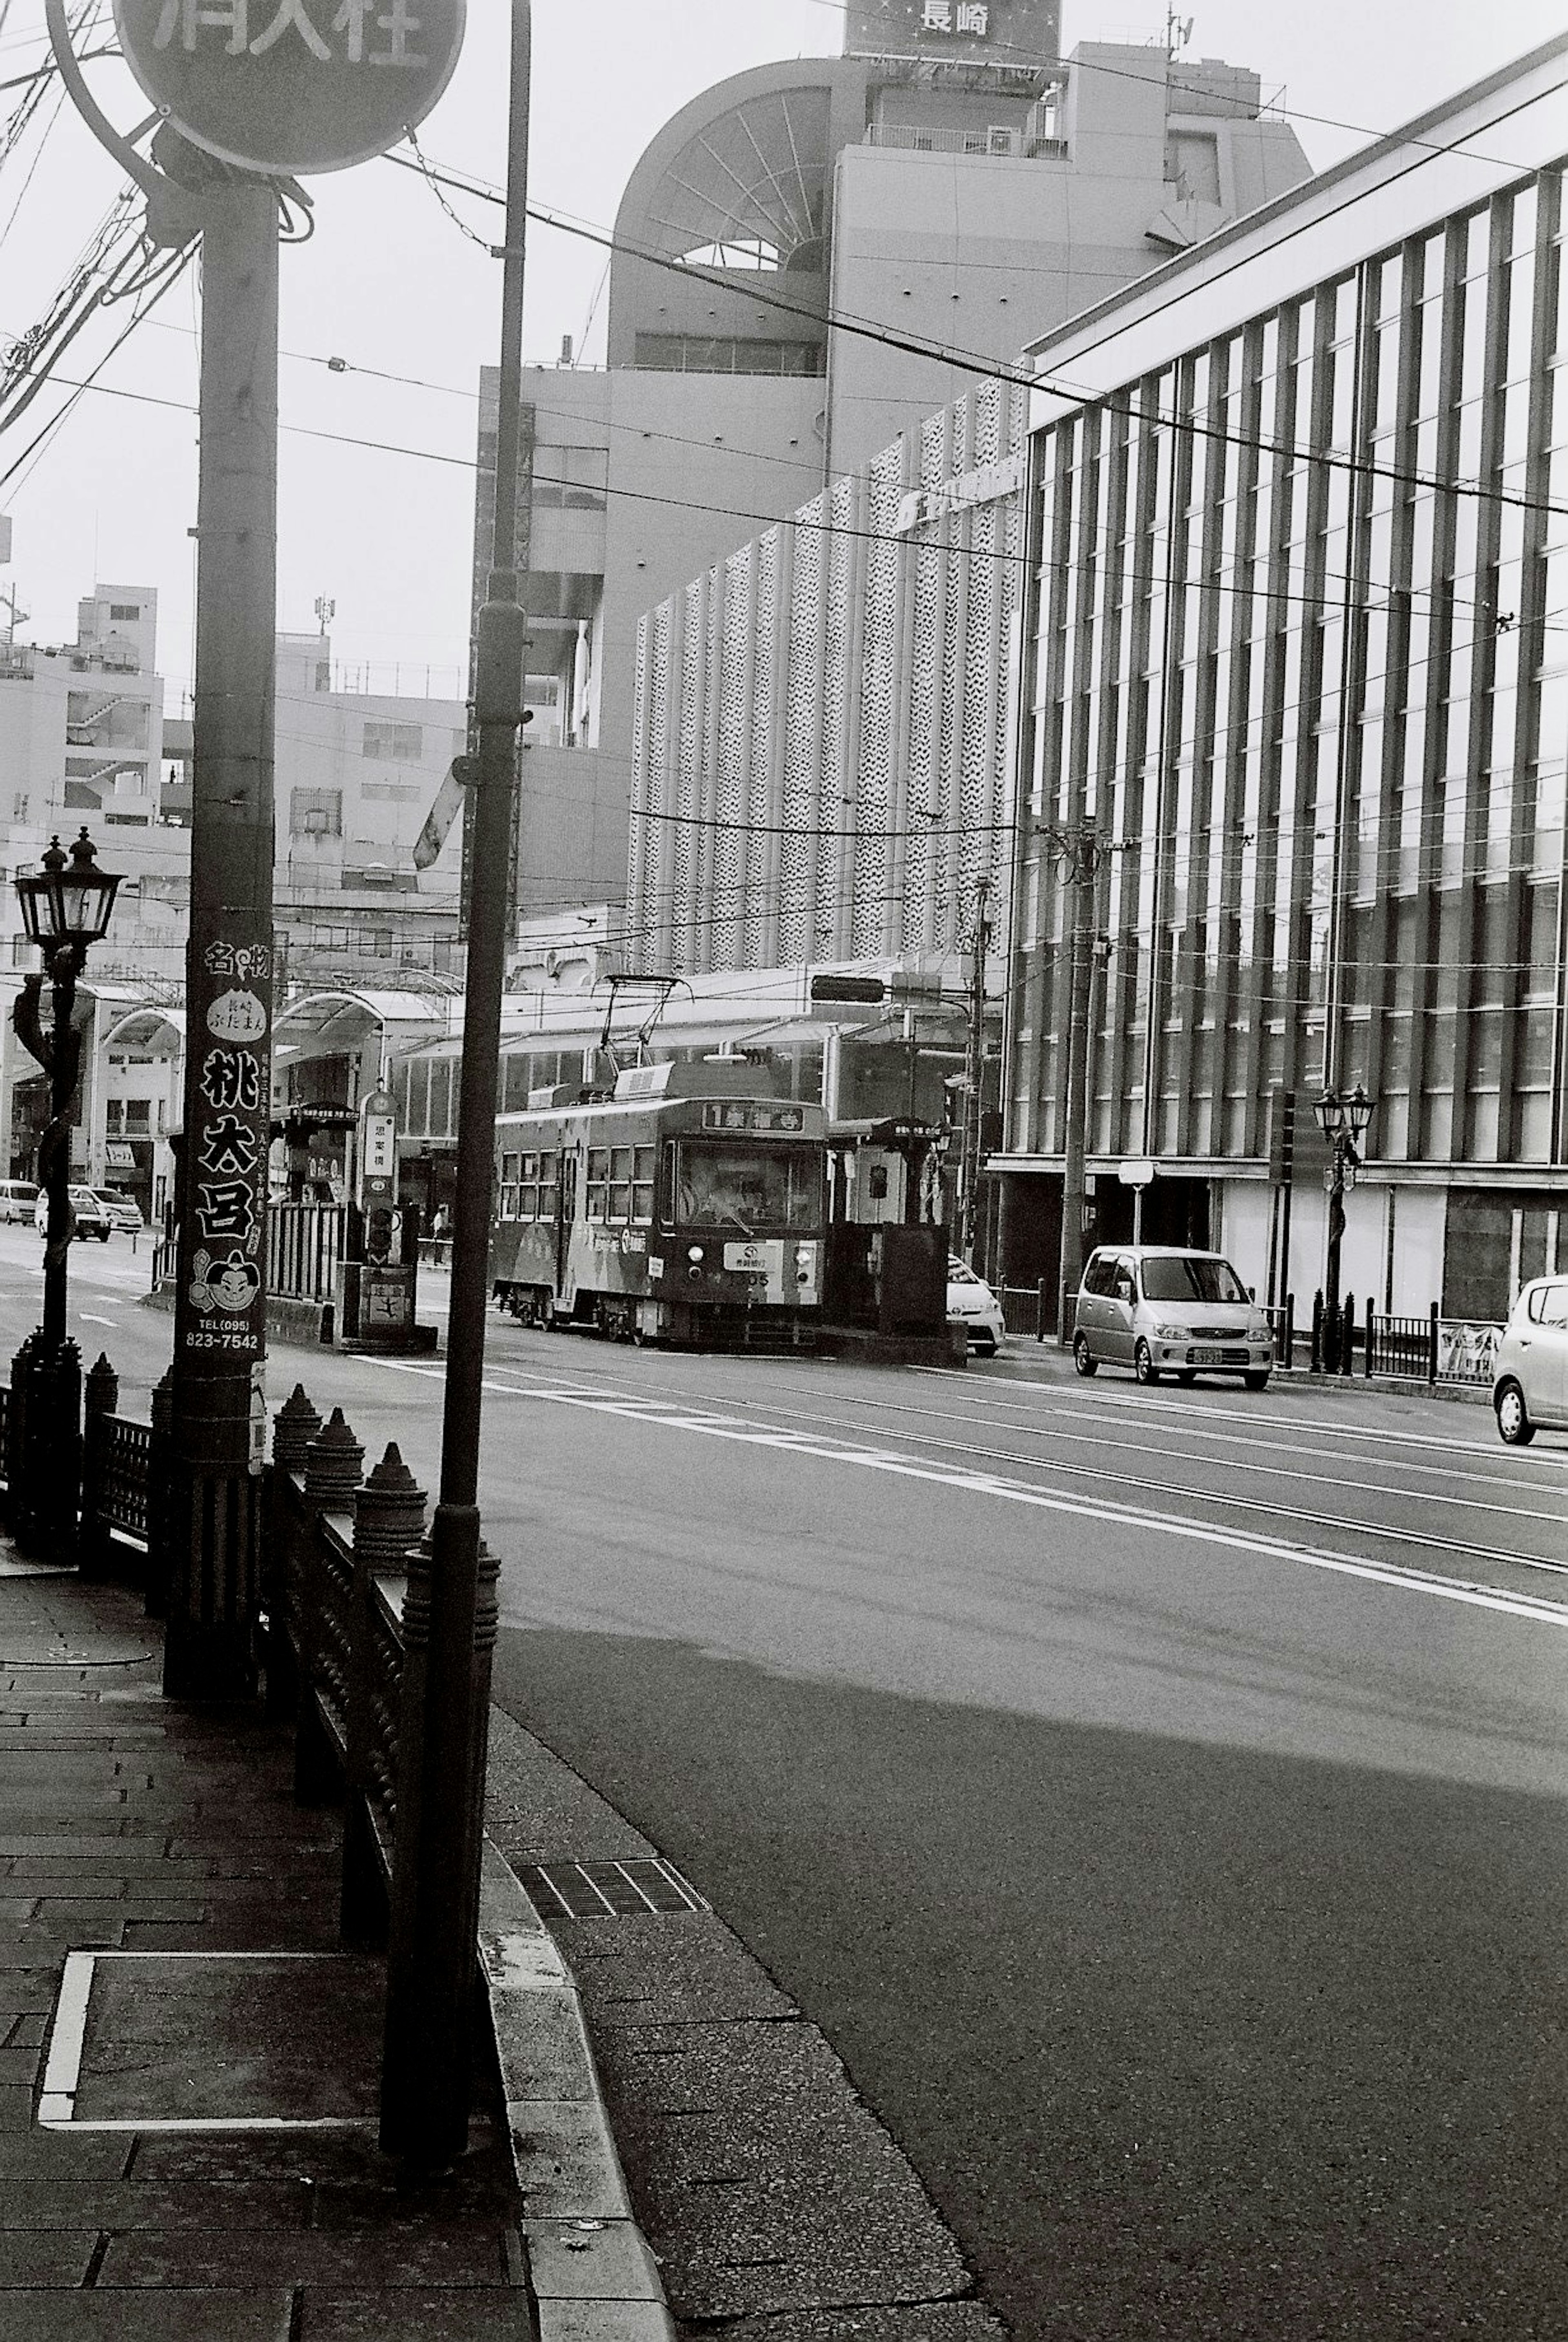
{"x": 289, "y": 87}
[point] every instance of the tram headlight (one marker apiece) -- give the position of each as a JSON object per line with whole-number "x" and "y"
{"x": 694, "y": 1253}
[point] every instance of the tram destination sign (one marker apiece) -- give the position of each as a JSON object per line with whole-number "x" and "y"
{"x": 292, "y": 86}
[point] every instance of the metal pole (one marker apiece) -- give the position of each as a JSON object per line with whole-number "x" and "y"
{"x": 425, "y": 2083}
{"x": 1082, "y": 862}
{"x": 974, "y": 1073}
{"x": 1331, "y": 1330}
{"x": 220, "y": 1310}
{"x": 65, "y": 1054}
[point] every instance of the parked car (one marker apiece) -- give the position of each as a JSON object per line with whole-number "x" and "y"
{"x": 1163, "y": 1311}
{"x": 971, "y": 1300}
{"x": 19, "y": 1198}
{"x": 1530, "y": 1381}
{"x": 92, "y": 1219}
{"x": 124, "y": 1211}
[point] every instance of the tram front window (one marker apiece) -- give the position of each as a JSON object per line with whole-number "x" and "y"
{"x": 755, "y": 1190}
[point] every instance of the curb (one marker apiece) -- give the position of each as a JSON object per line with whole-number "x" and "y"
{"x": 591, "y": 2273}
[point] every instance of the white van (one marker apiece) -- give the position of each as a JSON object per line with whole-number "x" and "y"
{"x": 1530, "y": 1380}
{"x": 18, "y": 1199}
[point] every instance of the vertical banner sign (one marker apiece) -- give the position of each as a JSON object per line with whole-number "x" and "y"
{"x": 229, "y": 1034}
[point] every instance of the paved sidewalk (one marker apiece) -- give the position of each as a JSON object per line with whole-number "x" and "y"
{"x": 141, "y": 1834}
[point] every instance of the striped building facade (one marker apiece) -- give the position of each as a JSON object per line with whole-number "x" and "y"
{"x": 1297, "y": 660}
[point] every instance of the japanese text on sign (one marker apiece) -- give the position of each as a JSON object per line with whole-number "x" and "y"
{"x": 373, "y": 34}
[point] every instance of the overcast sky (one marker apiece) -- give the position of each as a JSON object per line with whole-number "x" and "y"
{"x": 390, "y": 283}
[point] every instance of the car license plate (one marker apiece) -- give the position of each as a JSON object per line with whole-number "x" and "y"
{"x": 1205, "y": 1357}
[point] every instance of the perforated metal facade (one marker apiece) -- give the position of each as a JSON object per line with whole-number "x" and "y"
{"x": 825, "y": 722}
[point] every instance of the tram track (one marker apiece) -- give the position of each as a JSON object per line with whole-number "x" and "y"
{"x": 638, "y": 1401}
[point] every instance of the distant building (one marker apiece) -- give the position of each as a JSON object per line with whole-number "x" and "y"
{"x": 965, "y": 189}
{"x": 822, "y": 761}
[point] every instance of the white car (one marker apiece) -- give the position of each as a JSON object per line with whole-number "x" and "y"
{"x": 91, "y": 1218}
{"x": 972, "y": 1303}
{"x": 123, "y": 1211}
{"x": 1530, "y": 1380}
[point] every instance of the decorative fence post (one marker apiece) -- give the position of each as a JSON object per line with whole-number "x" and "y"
{"x": 102, "y": 1394}
{"x": 17, "y": 1436}
{"x": 1432, "y": 1347}
{"x": 1317, "y": 1332}
{"x": 389, "y": 1511}
{"x": 159, "y": 1466}
{"x": 1040, "y": 1306}
{"x": 1371, "y": 1335}
{"x": 1346, "y": 1333}
{"x": 434, "y": 1886}
{"x": 332, "y": 1475}
{"x": 1290, "y": 1331}
{"x": 295, "y": 1426}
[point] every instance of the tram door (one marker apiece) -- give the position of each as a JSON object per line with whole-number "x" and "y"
{"x": 565, "y": 1215}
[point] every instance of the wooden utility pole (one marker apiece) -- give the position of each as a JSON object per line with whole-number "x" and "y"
{"x": 220, "y": 1323}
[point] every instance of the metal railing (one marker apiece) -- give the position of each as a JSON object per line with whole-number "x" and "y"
{"x": 304, "y": 1243}
{"x": 1002, "y": 142}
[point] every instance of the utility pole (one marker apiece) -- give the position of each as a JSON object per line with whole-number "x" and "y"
{"x": 1079, "y": 851}
{"x": 426, "y": 2065}
{"x": 974, "y": 1076}
{"x": 219, "y": 1324}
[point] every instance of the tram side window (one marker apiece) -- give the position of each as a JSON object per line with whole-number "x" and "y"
{"x": 509, "y": 1188}
{"x": 598, "y": 1183}
{"x": 642, "y": 1162}
{"x": 528, "y": 1187}
{"x": 549, "y": 1186}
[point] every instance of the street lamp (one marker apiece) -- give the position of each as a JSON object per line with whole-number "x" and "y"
{"x": 1343, "y": 1122}
{"x": 66, "y": 905}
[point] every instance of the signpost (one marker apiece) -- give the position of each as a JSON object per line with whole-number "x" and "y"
{"x": 1137, "y": 1175}
{"x": 250, "y": 92}
{"x": 285, "y": 86}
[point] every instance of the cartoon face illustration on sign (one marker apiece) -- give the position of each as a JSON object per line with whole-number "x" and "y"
{"x": 228, "y": 1286}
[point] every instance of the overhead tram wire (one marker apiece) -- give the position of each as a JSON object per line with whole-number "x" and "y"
{"x": 824, "y": 527}
{"x": 989, "y": 369}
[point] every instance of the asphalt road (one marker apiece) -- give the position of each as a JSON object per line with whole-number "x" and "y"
{"x": 1156, "y": 1796}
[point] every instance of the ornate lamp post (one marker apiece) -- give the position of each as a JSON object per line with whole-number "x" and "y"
{"x": 1344, "y": 1123}
{"x": 65, "y": 907}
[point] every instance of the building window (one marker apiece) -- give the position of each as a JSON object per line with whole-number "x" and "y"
{"x": 315, "y": 813}
{"x": 575, "y": 479}
{"x": 113, "y": 1116}
{"x": 725, "y": 354}
{"x": 391, "y": 792}
{"x": 128, "y": 610}
{"x": 403, "y": 744}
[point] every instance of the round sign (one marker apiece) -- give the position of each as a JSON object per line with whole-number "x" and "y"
{"x": 290, "y": 87}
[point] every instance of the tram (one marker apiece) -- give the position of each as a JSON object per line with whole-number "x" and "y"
{"x": 687, "y": 1207}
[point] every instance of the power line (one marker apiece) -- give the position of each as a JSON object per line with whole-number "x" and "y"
{"x": 989, "y": 369}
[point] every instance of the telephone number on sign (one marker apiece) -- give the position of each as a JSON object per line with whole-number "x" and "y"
{"x": 207, "y": 1340}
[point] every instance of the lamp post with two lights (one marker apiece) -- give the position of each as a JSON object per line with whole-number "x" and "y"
{"x": 1343, "y": 1118}
{"x": 66, "y": 905}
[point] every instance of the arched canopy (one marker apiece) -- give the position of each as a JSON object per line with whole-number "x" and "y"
{"x": 339, "y": 1023}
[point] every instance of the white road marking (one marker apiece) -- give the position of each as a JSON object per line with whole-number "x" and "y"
{"x": 661, "y": 1416}
{"x": 87, "y": 1318}
{"x": 1504, "y": 1465}
{"x": 1142, "y": 1406}
{"x": 1456, "y": 1546}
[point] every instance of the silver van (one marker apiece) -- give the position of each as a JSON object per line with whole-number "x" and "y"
{"x": 19, "y": 1198}
{"x": 1530, "y": 1381}
{"x": 1163, "y": 1310}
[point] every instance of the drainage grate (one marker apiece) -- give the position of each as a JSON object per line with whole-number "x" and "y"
{"x": 609, "y": 1890}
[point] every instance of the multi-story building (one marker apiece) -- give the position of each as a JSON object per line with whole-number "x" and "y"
{"x": 1296, "y": 663}
{"x": 823, "y": 758}
{"x": 790, "y": 250}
